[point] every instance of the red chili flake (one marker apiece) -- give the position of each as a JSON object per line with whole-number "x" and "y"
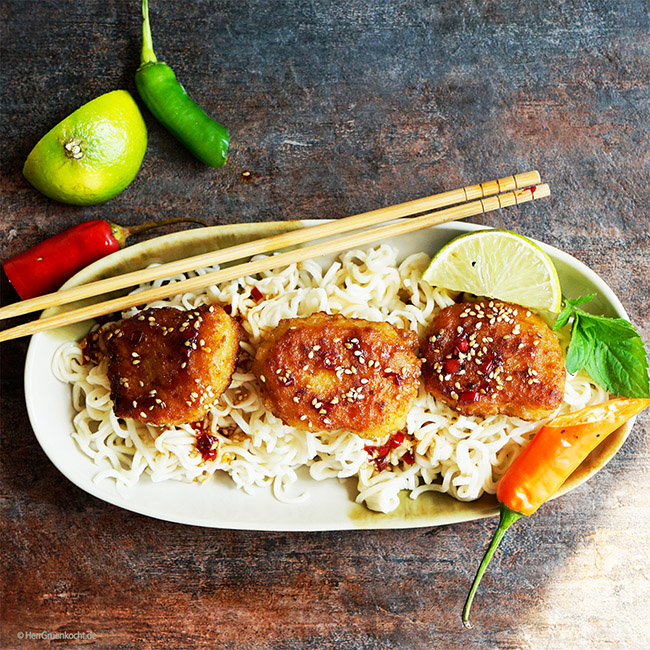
{"x": 462, "y": 344}
{"x": 379, "y": 456}
{"x": 383, "y": 451}
{"x": 227, "y": 309}
{"x": 381, "y": 463}
{"x": 452, "y": 366}
{"x": 397, "y": 440}
{"x": 469, "y": 396}
{"x": 408, "y": 458}
{"x": 256, "y": 294}
{"x": 204, "y": 441}
{"x": 330, "y": 360}
{"x": 489, "y": 366}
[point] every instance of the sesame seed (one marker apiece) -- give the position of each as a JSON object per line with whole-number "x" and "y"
{"x": 262, "y": 378}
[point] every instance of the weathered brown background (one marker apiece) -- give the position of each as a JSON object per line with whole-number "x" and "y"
{"x": 337, "y": 107}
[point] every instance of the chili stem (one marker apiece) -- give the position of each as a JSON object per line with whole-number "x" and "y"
{"x": 148, "y": 55}
{"x": 134, "y": 230}
{"x": 508, "y": 517}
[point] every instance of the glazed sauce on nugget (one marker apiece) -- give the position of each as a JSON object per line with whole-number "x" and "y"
{"x": 493, "y": 357}
{"x": 329, "y": 372}
{"x": 167, "y": 366}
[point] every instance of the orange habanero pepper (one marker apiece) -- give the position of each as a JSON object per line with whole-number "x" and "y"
{"x": 551, "y": 456}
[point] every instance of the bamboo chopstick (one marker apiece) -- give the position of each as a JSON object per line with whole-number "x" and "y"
{"x": 282, "y": 259}
{"x": 275, "y": 242}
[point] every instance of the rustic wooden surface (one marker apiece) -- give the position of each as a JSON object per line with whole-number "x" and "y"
{"x": 338, "y": 107}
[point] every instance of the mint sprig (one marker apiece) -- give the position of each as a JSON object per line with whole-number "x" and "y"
{"x": 610, "y": 350}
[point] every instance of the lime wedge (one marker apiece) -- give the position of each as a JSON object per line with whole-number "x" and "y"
{"x": 497, "y": 264}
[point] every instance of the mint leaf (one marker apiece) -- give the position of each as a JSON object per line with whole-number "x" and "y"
{"x": 611, "y": 352}
{"x": 569, "y": 304}
{"x": 618, "y": 359}
{"x": 580, "y": 348}
{"x": 563, "y": 318}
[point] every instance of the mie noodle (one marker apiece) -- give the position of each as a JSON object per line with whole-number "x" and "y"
{"x": 459, "y": 455}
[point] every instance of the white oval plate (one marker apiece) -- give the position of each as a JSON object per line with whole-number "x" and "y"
{"x": 218, "y": 503}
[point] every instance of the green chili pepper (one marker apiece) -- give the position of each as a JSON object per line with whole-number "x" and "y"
{"x": 166, "y": 98}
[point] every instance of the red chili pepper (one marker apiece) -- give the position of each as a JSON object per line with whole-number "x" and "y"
{"x": 48, "y": 265}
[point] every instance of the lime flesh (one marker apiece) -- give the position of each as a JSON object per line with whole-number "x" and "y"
{"x": 498, "y": 264}
{"x": 93, "y": 154}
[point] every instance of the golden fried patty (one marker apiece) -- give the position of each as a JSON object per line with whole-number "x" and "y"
{"x": 330, "y": 372}
{"x": 168, "y": 366}
{"x": 493, "y": 357}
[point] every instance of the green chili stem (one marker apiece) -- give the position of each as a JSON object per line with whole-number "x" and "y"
{"x": 508, "y": 517}
{"x": 148, "y": 55}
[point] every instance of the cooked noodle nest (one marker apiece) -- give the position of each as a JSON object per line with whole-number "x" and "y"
{"x": 455, "y": 454}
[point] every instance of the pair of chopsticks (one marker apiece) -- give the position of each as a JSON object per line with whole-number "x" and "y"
{"x": 467, "y": 201}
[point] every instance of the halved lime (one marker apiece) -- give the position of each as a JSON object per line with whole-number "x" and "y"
{"x": 93, "y": 154}
{"x": 497, "y": 264}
